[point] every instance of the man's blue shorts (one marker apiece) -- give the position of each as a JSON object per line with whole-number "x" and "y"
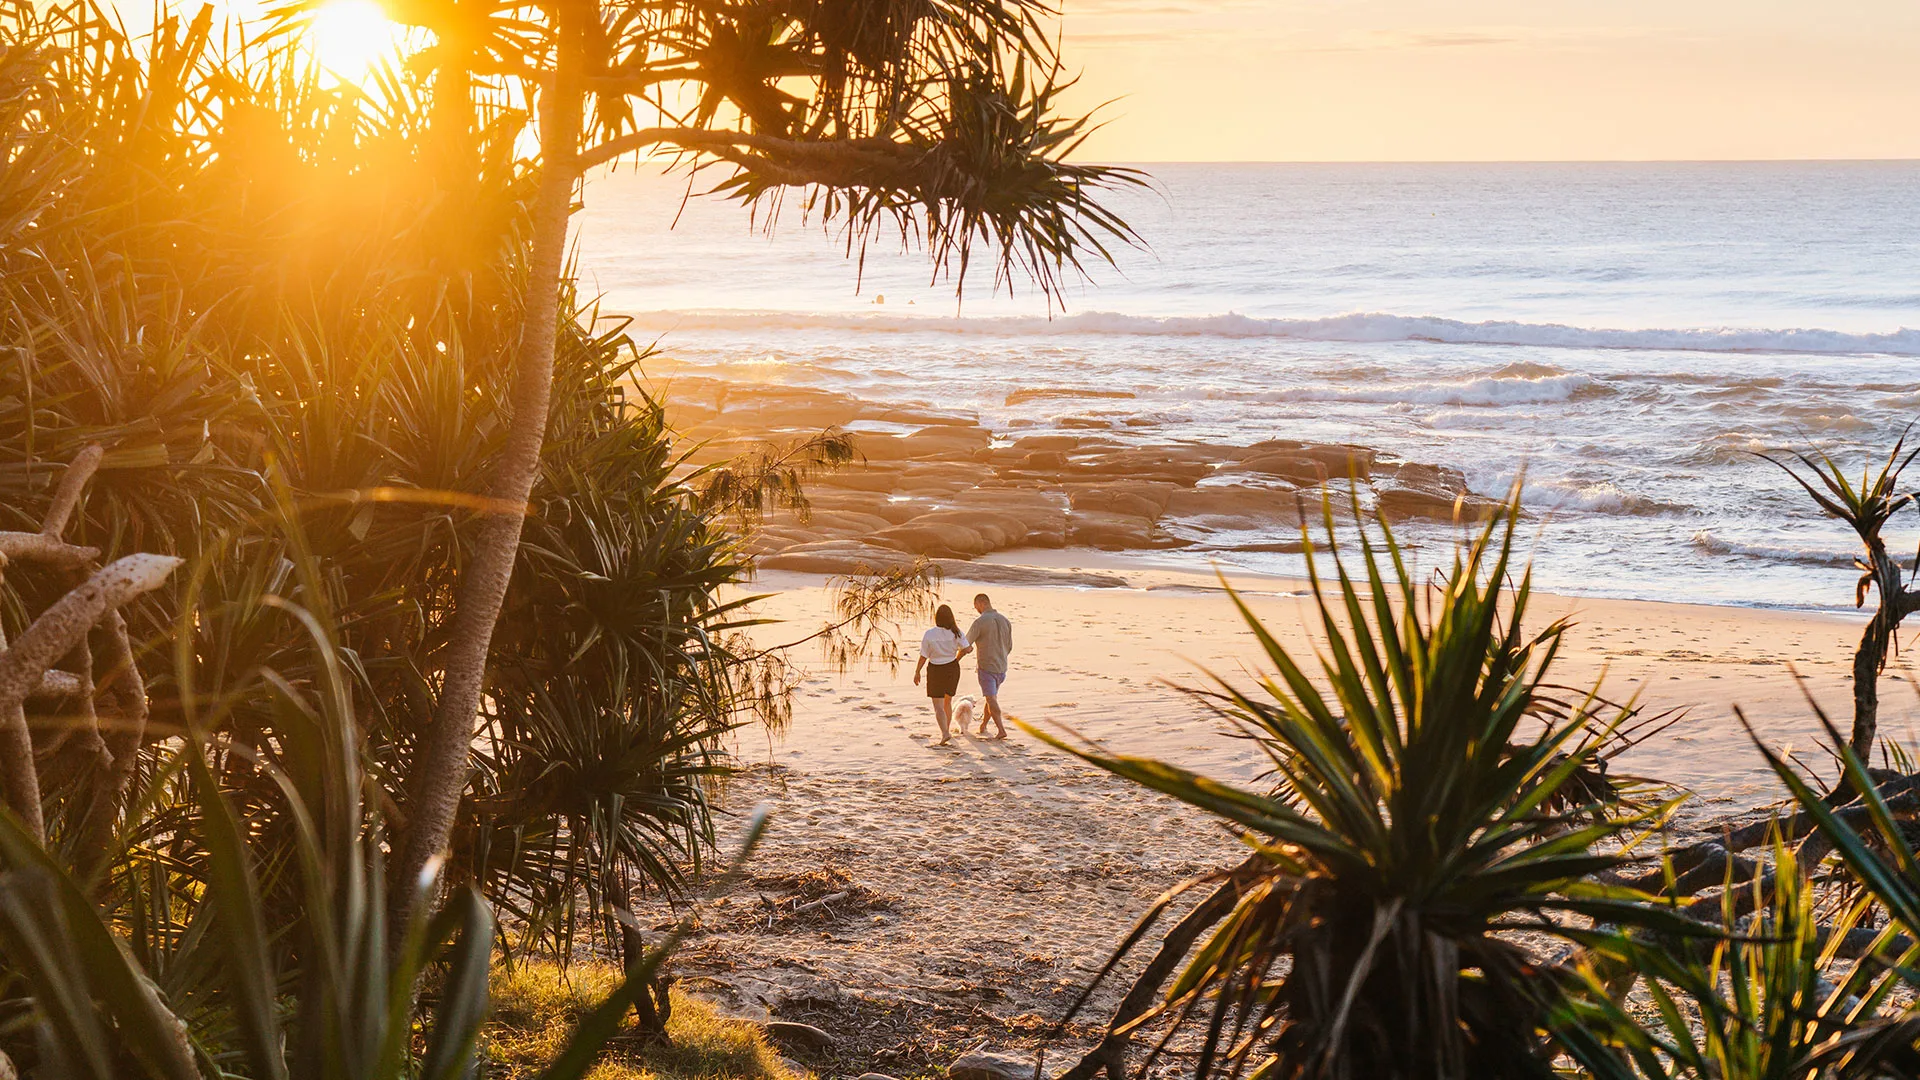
{"x": 990, "y": 682}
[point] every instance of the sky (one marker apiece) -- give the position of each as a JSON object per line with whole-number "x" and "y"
{"x": 1499, "y": 80}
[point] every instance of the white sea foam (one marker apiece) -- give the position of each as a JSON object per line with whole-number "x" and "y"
{"x": 1712, "y": 544}
{"x": 1598, "y": 498}
{"x": 1488, "y": 391}
{"x": 1358, "y": 327}
{"x": 1570, "y": 495}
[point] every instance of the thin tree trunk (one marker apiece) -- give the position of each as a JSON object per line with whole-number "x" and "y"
{"x": 124, "y": 731}
{"x": 1868, "y": 660}
{"x": 440, "y": 766}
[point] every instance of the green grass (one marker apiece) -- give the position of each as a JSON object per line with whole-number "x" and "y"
{"x": 536, "y": 1007}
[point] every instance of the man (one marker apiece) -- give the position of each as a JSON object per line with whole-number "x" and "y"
{"x": 991, "y": 635}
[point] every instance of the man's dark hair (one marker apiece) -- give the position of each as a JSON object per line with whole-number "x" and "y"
{"x": 981, "y": 598}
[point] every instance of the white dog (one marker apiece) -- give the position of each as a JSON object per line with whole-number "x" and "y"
{"x": 963, "y": 712}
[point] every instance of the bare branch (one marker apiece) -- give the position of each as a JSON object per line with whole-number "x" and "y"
{"x": 123, "y": 724}
{"x": 41, "y": 548}
{"x": 55, "y": 633}
{"x": 67, "y": 495}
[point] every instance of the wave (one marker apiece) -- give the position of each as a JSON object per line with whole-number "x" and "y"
{"x": 1568, "y": 495}
{"x": 1491, "y": 390}
{"x": 1706, "y": 541}
{"x": 1358, "y": 327}
{"x": 1598, "y": 498}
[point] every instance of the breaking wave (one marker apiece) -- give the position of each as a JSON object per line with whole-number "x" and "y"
{"x": 1490, "y": 390}
{"x": 1706, "y": 541}
{"x": 1357, "y": 327}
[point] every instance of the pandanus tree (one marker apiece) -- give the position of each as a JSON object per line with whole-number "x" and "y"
{"x": 216, "y": 268}
{"x": 930, "y": 118}
{"x": 1434, "y": 795}
{"x": 1866, "y": 507}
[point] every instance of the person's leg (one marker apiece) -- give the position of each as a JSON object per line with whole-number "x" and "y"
{"x": 990, "y": 689}
{"x": 941, "y": 717}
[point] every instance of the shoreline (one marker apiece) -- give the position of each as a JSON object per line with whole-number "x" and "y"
{"x": 1088, "y": 560}
{"x": 1706, "y": 658}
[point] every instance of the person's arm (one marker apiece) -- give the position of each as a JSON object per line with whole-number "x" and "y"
{"x": 917, "y": 668}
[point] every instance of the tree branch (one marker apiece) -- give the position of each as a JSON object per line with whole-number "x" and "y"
{"x": 67, "y": 495}
{"x": 793, "y": 161}
{"x": 51, "y": 636}
{"x": 124, "y": 727}
{"x": 41, "y": 548}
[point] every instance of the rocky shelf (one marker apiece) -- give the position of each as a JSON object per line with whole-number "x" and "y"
{"x": 940, "y": 485}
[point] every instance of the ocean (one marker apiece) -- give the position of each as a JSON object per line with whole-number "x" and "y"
{"x": 1627, "y": 335}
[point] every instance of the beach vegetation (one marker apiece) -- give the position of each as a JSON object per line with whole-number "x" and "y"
{"x": 1444, "y": 879}
{"x": 1435, "y": 799}
{"x": 278, "y": 315}
{"x": 1766, "y": 998}
{"x": 1866, "y": 506}
{"x": 205, "y": 946}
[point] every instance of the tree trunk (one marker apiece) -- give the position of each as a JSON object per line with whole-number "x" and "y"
{"x": 653, "y": 1005}
{"x": 124, "y": 732}
{"x": 440, "y": 766}
{"x": 1868, "y": 660}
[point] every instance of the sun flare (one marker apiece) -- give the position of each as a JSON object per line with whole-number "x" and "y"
{"x": 350, "y": 36}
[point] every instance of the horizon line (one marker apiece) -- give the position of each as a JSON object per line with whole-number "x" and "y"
{"x": 1526, "y": 161}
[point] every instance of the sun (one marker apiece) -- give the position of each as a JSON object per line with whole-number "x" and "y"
{"x": 349, "y": 36}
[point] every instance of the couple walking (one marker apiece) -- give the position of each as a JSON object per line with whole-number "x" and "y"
{"x": 941, "y": 648}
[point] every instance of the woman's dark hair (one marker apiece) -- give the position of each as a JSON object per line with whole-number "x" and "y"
{"x": 943, "y": 619}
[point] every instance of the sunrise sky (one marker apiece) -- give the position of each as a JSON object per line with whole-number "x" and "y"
{"x": 1422, "y": 80}
{"x": 1476, "y": 80}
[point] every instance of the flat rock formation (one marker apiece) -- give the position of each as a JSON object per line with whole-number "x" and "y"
{"x": 940, "y": 485}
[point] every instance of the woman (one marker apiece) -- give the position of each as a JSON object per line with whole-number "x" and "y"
{"x": 940, "y": 651}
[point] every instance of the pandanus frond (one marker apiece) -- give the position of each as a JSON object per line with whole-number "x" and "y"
{"x": 1866, "y": 506}
{"x": 1430, "y": 804}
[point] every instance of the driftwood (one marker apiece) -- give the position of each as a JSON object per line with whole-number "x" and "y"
{"x": 30, "y": 667}
{"x": 1715, "y": 862}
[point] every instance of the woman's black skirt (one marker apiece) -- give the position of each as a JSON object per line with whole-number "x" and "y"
{"x": 943, "y": 679}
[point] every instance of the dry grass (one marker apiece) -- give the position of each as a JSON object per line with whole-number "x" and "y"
{"x": 536, "y": 1006}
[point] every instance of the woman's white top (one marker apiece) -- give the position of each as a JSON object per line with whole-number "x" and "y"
{"x": 941, "y": 645}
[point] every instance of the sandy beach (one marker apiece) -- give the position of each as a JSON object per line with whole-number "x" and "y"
{"x": 971, "y": 891}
